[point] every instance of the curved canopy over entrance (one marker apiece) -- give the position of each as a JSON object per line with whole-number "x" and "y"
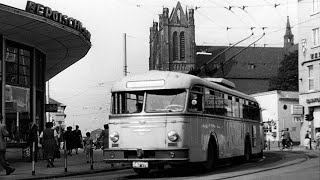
{"x": 62, "y": 44}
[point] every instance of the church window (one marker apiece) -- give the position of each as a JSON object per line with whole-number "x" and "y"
{"x": 182, "y": 45}
{"x": 178, "y": 15}
{"x": 175, "y": 46}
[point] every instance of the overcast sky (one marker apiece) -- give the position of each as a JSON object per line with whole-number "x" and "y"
{"x": 84, "y": 87}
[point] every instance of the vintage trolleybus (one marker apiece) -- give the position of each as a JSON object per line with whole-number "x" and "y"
{"x": 163, "y": 117}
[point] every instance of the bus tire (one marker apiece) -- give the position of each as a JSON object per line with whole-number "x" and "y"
{"x": 212, "y": 156}
{"x": 142, "y": 172}
{"x": 247, "y": 151}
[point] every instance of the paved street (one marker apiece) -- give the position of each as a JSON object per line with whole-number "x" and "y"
{"x": 295, "y": 165}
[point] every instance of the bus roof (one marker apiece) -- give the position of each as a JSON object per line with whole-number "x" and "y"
{"x": 154, "y": 79}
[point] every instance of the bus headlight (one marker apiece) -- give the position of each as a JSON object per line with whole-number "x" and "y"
{"x": 173, "y": 136}
{"x": 114, "y": 137}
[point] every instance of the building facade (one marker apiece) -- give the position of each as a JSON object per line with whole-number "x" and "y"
{"x": 309, "y": 63}
{"x": 173, "y": 48}
{"x": 57, "y": 117}
{"x": 36, "y": 44}
{"x": 277, "y": 115}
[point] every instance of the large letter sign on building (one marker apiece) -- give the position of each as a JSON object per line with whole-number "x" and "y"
{"x": 56, "y": 16}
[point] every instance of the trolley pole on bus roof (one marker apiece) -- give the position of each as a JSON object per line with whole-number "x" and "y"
{"x": 125, "y": 54}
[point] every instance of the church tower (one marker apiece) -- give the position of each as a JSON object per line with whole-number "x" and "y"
{"x": 172, "y": 41}
{"x": 288, "y": 37}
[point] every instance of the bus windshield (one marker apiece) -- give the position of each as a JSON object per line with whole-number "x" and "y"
{"x": 170, "y": 100}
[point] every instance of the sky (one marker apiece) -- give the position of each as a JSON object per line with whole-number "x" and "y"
{"x": 85, "y": 86}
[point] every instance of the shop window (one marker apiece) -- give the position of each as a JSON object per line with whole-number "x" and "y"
{"x": 17, "y": 60}
{"x": 17, "y": 107}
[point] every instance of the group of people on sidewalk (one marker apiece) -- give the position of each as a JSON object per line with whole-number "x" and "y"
{"x": 73, "y": 139}
{"x": 309, "y": 144}
{"x": 49, "y": 142}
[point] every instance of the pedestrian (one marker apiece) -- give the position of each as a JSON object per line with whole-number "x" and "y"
{"x": 69, "y": 140}
{"x": 88, "y": 141}
{"x": 59, "y": 132}
{"x": 3, "y": 147}
{"x": 318, "y": 139}
{"x": 307, "y": 140}
{"x": 33, "y": 135}
{"x": 78, "y": 139}
{"x": 104, "y": 137}
{"x": 49, "y": 143}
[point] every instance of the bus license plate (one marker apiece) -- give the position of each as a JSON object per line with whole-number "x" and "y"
{"x": 140, "y": 164}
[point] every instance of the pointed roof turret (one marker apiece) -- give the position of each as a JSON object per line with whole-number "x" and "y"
{"x": 288, "y": 29}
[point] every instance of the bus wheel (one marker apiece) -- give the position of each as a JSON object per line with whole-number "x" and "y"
{"x": 142, "y": 172}
{"x": 212, "y": 156}
{"x": 247, "y": 152}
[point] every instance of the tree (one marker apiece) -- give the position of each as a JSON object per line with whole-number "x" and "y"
{"x": 287, "y": 76}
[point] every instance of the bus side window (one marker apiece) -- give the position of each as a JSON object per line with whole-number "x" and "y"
{"x": 195, "y": 102}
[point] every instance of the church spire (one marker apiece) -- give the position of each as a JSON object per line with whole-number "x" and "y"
{"x": 288, "y": 29}
{"x": 288, "y": 37}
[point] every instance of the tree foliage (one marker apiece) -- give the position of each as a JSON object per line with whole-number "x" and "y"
{"x": 287, "y": 76}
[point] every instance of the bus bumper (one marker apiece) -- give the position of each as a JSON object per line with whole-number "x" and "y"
{"x": 152, "y": 156}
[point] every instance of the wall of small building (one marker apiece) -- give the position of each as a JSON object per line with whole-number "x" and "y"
{"x": 288, "y": 119}
{"x": 269, "y": 112}
{"x": 276, "y": 109}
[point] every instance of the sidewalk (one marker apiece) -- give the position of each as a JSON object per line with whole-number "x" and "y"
{"x": 313, "y": 152}
{"x": 76, "y": 165}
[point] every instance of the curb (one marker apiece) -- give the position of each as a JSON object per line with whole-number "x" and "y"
{"x": 68, "y": 174}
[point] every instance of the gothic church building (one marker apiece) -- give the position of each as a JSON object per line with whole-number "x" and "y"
{"x": 173, "y": 48}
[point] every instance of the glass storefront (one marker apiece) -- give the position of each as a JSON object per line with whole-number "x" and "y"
{"x": 20, "y": 63}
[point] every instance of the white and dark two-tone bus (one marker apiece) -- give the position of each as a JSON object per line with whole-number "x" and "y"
{"x": 163, "y": 117}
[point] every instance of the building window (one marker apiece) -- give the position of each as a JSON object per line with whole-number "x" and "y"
{"x": 182, "y": 45}
{"x": 17, "y": 66}
{"x": 315, "y": 36}
{"x": 175, "y": 46}
{"x": 316, "y": 6}
{"x": 310, "y": 77}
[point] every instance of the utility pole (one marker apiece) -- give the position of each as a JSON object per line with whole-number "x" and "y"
{"x": 48, "y": 100}
{"x": 125, "y": 54}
